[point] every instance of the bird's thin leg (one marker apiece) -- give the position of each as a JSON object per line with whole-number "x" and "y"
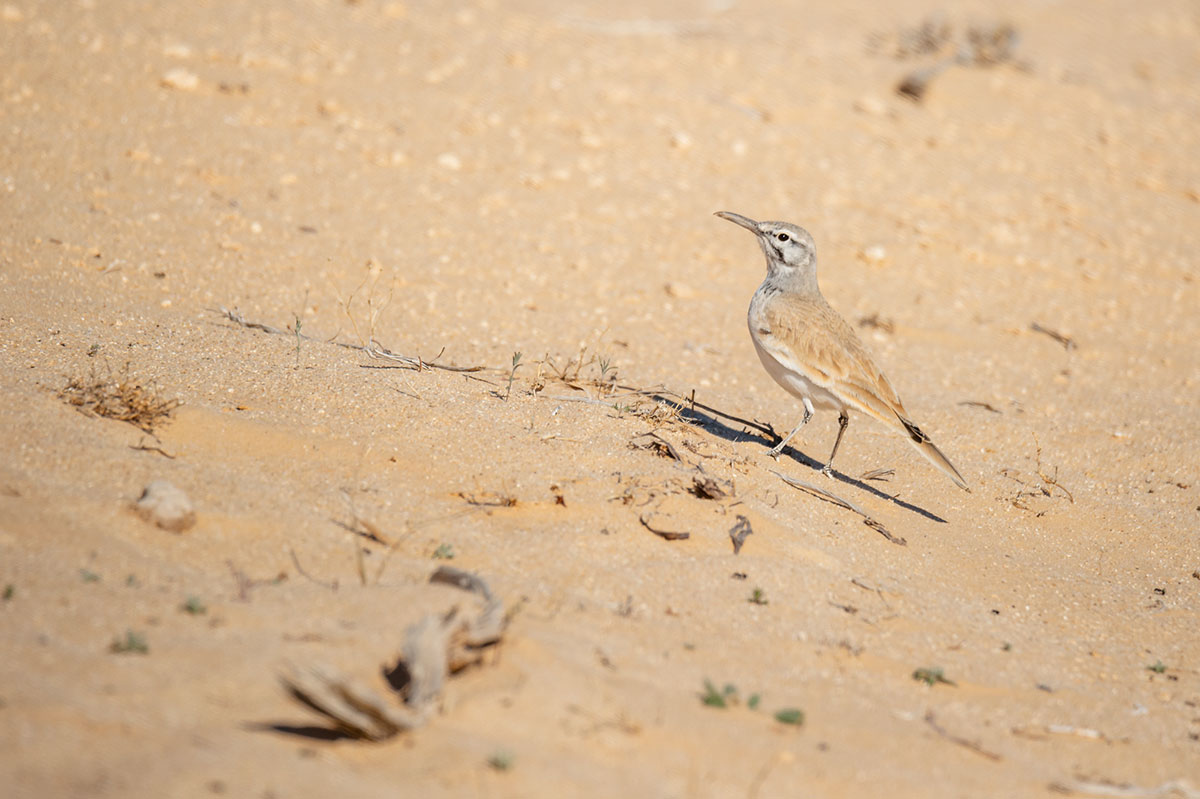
{"x": 843, "y": 422}
{"x": 808, "y": 412}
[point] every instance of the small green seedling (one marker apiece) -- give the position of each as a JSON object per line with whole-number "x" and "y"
{"x": 10, "y": 591}
{"x": 299, "y": 324}
{"x": 194, "y": 606}
{"x": 132, "y": 643}
{"x": 516, "y": 361}
{"x": 932, "y": 676}
{"x": 758, "y": 597}
{"x": 1158, "y": 667}
{"x": 606, "y": 367}
{"x": 714, "y": 698}
{"x": 88, "y": 576}
{"x": 444, "y": 552}
{"x": 501, "y": 761}
{"x": 790, "y": 715}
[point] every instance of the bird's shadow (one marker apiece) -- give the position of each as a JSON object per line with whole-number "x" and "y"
{"x": 933, "y": 517}
{"x": 712, "y": 420}
{"x": 312, "y": 732}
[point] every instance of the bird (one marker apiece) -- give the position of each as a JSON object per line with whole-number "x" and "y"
{"x": 810, "y": 350}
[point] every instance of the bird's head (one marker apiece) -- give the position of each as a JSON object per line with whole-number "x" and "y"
{"x": 788, "y": 247}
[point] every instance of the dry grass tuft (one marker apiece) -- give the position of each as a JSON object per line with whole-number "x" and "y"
{"x": 1040, "y": 485}
{"x": 121, "y": 398}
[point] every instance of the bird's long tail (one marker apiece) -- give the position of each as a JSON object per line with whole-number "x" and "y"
{"x": 927, "y": 448}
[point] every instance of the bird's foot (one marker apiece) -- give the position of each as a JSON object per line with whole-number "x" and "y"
{"x": 773, "y": 453}
{"x": 827, "y": 471}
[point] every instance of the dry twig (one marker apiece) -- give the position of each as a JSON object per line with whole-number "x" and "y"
{"x": 433, "y": 648}
{"x": 868, "y": 520}
{"x": 1029, "y": 488}
{"x": 977, "y": 45}
{"x": 659, "y": 445}
{"x": 1067, "y": 342}
{"x": 144, "y": 448}
{"x": 373, "y": 349}
{"x": 1175, "y": 789}
{"x": 882, "y": 475}
{"x": 877, "y": 322}
{"x": 977, "y": 404}
{"x": 739, "y": 532}
{"x": 331, "y": 585}
{"x": 360, "y": 525}
{"x": 245, "y": 584}
{"x": 1041, "y": 732}
{"x": 667, "y": 535}
{"x": 707, "y": 487}
{"x": 492, "y": 501}
{"x": 974, "y": 746}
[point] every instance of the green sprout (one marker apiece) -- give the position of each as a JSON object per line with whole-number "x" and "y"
{"x": 931, "y": 676}
{"x": 132, "y": 643}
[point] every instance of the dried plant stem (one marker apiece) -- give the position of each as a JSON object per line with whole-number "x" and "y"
{"x": 373, "y": 349}
{"x": 868, "y": 520}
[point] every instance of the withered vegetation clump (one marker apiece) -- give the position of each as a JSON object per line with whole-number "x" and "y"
{"x": 122, "y": 398}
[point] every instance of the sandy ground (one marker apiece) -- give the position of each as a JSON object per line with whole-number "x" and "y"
{"x": 472, "y": 180}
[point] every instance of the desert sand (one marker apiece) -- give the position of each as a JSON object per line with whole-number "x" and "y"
{"x": 463, "y": 182}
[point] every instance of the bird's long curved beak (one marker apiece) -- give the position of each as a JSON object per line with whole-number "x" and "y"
{"x": 738, "y": 219}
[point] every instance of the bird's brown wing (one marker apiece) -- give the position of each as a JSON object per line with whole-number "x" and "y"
{"x": 808, "y": 336}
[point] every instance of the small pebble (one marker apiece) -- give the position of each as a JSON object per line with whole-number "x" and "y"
{"x": 870, "y": 105}
{"x": 177, "y": 50}
{"x": 167, "y": 506}
{"x": 180, "y": 78}
{"x": 875, "y": 254}
{"x": 681, "y": 290}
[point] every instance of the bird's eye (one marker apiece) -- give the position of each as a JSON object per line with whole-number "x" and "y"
{"x": 782, "y": 236}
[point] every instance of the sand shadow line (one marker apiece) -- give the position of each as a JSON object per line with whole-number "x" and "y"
{"x": 710, "y": 419}
{"x": 310, "y": 731}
